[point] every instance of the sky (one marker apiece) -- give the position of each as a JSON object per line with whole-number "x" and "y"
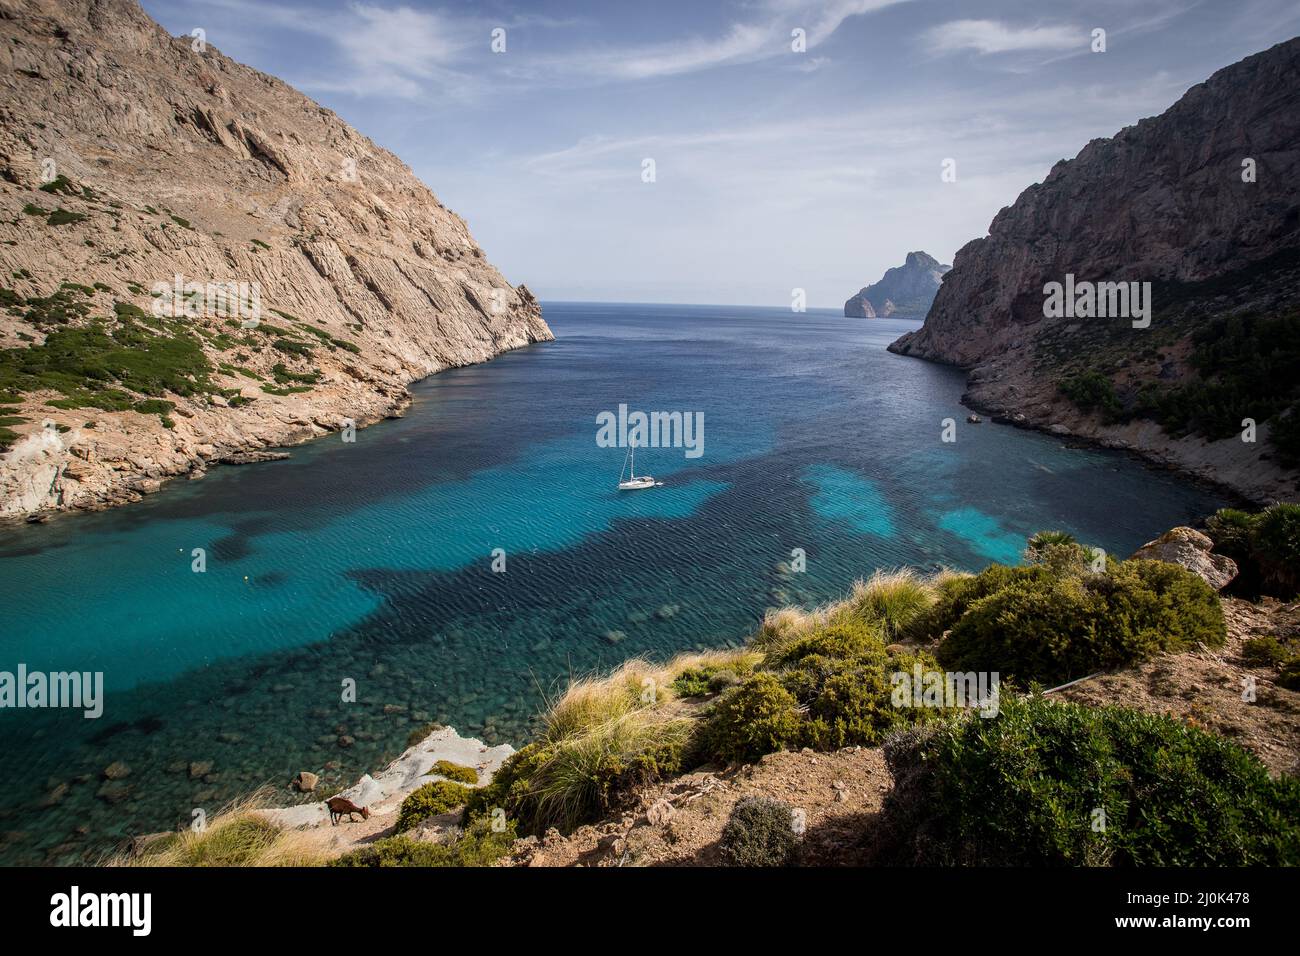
{"x": 795, "y": 145}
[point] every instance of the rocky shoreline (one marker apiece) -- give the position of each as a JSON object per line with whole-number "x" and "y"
{"x": 1191, "y": 458}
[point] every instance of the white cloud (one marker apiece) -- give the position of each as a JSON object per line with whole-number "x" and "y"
{"x": 768, "y": 35}
{"x": 991, "y": 36}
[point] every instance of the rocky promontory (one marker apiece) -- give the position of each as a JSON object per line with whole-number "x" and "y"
{"x": 905, "y": 291}
{"x": 198, "y": 263}
{"x": 1198, "y": 209}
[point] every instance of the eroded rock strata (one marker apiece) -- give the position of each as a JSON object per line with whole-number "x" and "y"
{"x": 129, "y": 158}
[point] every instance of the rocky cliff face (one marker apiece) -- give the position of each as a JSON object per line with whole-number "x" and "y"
{"x": 138, "y": 173}
{"x": 905, "y": 291}
{"x": 1203, "y": 202}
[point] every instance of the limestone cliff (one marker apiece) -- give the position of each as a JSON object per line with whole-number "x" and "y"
{"x": 905, "y": 291}
{"x": 1203, "y": 202}
{"x": 129, "y": 158}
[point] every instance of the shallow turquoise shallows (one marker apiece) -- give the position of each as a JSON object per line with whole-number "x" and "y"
{"x": 372, "y": 562}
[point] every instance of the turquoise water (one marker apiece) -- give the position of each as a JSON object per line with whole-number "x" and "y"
{"x": 372, "y": 561}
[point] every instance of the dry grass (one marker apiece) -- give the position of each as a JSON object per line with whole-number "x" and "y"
{"x": 628, "y": 719}
{"x": 894, "y": 599}
{"x": 236, "y": 836}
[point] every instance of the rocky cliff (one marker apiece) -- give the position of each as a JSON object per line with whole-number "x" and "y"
{"x": 198, "y": 262}
{"x": 905, "y": 291}
{"x": 1203, "y": 202}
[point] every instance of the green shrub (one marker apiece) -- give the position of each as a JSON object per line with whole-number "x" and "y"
{"x": 1289, "y": 676}
{"x": 455, "y": 771}
{"x": 441, "y": 796}
{"x": 84, "y": 363}
{"x": 854, "y": 704}
{"x": 290, "y": 347}
{"x": 1093, "y": 391}
{"x": 1029, "y": 787}
{"x": 1276, "y": 541}
{"x": 1264, "y": 652}
{"x": 845, "y": 635}
{"x": 755, "y": 718}
{"x": 510, "y": 789}
{"x": 1265, "y": 547}
{"x": 59, "y": 184}
{"x": 759, "y": 832}
{"x": 64, "y": 217}
{"x": 1246, "y": 367}
{"x": 692, "y": 682}
{"x": 478, "y": 846}
{"x": 284, "y": 376}
{"x": 1038, "y": 626}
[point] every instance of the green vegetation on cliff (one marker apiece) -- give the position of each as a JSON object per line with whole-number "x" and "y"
{"x": 1245, "y": 366}
{"x": 1048, "y": 783}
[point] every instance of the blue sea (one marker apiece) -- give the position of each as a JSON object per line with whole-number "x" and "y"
{"x": 372, "y": 561}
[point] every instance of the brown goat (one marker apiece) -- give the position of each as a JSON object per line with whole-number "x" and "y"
{"x": 341, "y": 805}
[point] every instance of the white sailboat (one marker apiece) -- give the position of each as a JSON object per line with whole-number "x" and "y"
{"x": 634, "y": 481}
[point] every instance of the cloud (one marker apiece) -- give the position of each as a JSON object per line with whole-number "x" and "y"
{"x": 990, "y": 36}
{"x": 407, "y": 51}
{"x": 768, "y": 34}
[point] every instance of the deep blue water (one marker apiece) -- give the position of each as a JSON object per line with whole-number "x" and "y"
{"x": 372, "y": 560}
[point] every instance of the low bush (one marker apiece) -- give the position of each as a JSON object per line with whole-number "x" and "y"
{"x": 430, "y": 800}
{"x": 478, "y": 846}
{"x": 830, "y": 687}
{"x": 756, "y": 718}
{"x": 1265, "y": 546}
{"x": 1289, "y": 676}
{"x": 759, "y": 832}
{"x": 455, "y": 772}
{"x": 1093, "y": 391}
{"x": 1264, "y": 652}
{"x": 1054, "y": 783}
{"x": 1033, "y": 624}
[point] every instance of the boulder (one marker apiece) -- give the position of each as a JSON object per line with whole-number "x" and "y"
{"x": 305, "y": 782}
{"x": 1190, "y": 549}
